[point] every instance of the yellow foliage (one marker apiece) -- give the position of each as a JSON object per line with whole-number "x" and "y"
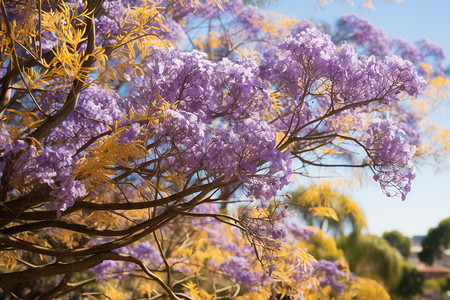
{"x": 349, "y": 207}
{"x": 67, "y": 60}
{"x": 326, "y": 150}
{"x": 437, "y": 145}
{"x": 324, "y": 212}
{"x": 277, "y": 104}
{"x": 34, "y": 239}
{"x": 175, "y": 178}
{"x": 67, "y": 237}
{"x": 215, "y": 42}
{"x": 345, "y": 123}
{"x": 323, "y": 200}
{"x": 111, "y": 291}
{"x": 29, "y": 119}
{"x": 258, "y": 213}
{"x": 103, "y": 220}
{"x": 284, "y": 23}
{"x": 318, "y": 195}
{"x": 366, "y": 288}
{"x": 196, "y": 3}
{"x": 8, "y": 260}
{"x": 262, "y": 293}
{"x": 434, "y": 97}
{"x": 145, "y": 289}
{"x": 100, "y": 162}
{"x": 321, "y": 241}
{"x": 289, "y": 258}
{"x": 195, "y": 292}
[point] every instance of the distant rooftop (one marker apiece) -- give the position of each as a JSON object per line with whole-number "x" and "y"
{"x": 433, "y": 271}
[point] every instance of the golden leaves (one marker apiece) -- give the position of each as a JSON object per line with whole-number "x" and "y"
{"x": 366, "y": 288}
{"x": 8, "y": 260}
{"x": 196, "y": 292}
{"x": 27, "y": 118}
{"x": 145, "y": 289}
{"x": 103, "y": 220}
{"x": 324, "y": 212}
{"x": 108, "y": 290}
{"x": 100, "y": 162}
{"x": 323, "y": 199}
{"x": 321, "y": 244}
{"x": 68, "y": 60}
{"x": 134, "y": 44}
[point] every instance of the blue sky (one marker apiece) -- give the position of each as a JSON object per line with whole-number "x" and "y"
{"x": 429, "y": 201}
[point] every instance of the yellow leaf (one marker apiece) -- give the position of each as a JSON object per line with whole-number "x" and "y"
{"x": 324, "y": 212}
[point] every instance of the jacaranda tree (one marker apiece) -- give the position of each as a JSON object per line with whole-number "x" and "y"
{"x": 127, "y": 124}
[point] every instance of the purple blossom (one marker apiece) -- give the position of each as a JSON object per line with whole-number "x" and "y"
{"x": 146, "y": 251}
{"x": 373, "y": 41}
{"x": 231, "y": 96}
{"x": 328, "y": 274}
{"x": 239, "y": 269}
{"x": 302, "y": 26}
{"x": 392, "y": 157}
{"x": 370, "y": 40}
{"x": 300, "y": 232}
{"x": 53, "y": 167}
{"x": 311, "y": 56}
{"x": 105, "y": 269}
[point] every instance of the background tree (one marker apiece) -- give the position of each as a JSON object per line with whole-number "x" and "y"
{"x": 410, "y": 284}
{"x": 372, "y": 256}
{"x": 399, "y": 241}
{"x": 436, "y": 240}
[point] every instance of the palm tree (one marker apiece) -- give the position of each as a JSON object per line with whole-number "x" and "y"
{"x": 322, "y": 205}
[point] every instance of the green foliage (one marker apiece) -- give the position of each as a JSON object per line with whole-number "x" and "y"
{"x": 437, "y": 239}
{"x": 436, "y": 286}
{"x": 372, "y": 256}
{"x": 399, "y": 241}
{"x": 411, "y": 283}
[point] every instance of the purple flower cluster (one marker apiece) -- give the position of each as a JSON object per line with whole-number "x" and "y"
{"x": 250, "y": 18}
{"x": 299, "y": 232}
{"x": 107, "y": 269}
{"x": 302, "y": 26}
{"x": 392, "y": 157}
{"x": 312, "y": 57}
{"x": 239, "y": 269}
{"x": 372, "y": 41}
{"x": 217, "y": 124}
{"x": 110, "y": 23}
{"x": 147, "y": 252}
{"x": 329, "y": 274}
{"x": 50, "y": 167}
{"x": 53, "y": 165}
{"x": 96, "y": 107}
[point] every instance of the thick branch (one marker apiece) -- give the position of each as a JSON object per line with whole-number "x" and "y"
{"x": 49, "y": 215}
{"x": 85, "y": 264}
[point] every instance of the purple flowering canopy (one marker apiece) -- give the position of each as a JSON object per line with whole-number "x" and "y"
{"x": 123, "y": 121}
